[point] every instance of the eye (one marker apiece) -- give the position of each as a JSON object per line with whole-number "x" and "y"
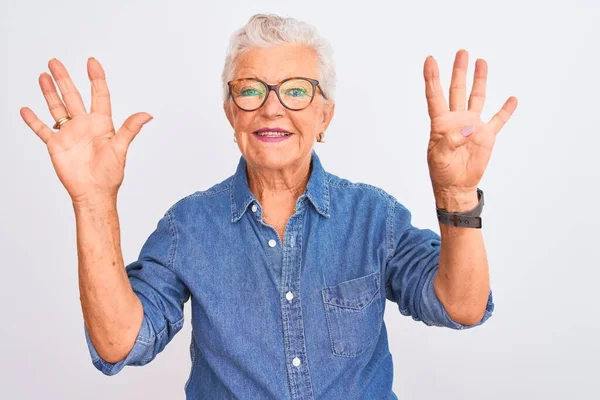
{"x": 296, "y": 92}
{"x": 250, "y": 92}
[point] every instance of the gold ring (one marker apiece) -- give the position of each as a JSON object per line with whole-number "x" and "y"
{"x": 61, "y": 121}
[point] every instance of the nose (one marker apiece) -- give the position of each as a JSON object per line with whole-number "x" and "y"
{"x": 273, "y": 106}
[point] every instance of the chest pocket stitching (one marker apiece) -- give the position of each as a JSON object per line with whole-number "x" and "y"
{"x": 344, "y": 294}
{"x": 353, "y": 314}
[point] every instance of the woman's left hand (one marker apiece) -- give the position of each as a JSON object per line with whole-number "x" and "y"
{"x": 457, "y": 162}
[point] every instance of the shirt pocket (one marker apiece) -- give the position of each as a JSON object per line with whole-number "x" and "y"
{"x": 353, "y": 313}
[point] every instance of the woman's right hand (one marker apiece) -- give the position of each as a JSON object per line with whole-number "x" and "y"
{"x": 88, "y": 156}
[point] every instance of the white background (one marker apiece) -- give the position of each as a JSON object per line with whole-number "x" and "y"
{"x": 540, "y": 222}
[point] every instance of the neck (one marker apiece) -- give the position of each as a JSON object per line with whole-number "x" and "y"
{"x": 277, "y": 186}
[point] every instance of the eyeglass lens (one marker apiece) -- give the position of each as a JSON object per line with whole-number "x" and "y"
{"x": 249, "y": 94}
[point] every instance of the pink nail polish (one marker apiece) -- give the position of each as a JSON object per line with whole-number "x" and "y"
{"x": 467, "y": 130}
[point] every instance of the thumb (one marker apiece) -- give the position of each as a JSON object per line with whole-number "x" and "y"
{"x": 455, "y": 139}
{"x": 130, "y": 128}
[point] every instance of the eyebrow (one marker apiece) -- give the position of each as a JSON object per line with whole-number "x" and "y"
{"x": 254, "y": 76}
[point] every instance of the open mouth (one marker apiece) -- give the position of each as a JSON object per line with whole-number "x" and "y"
{"x": 272, "y": 134}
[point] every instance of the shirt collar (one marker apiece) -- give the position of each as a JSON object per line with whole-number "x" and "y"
{"x": 317, "y": 189}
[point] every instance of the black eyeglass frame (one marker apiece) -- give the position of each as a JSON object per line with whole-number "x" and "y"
{"x": 275, "y": 88}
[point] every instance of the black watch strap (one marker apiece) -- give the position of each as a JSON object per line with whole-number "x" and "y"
{"x": 469, "y": 219}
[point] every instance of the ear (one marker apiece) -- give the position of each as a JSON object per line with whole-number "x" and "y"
{"x": 327, "y": 115}
{"x": 228, "y": 112}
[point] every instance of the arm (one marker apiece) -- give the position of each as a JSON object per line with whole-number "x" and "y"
{"x": 161, "y": 293}
{"x": 462, "y": 282}
{"x": 459, "y": 150}
{"x": 130, "y": 314}
{"x": 112, "y": 312}
{"x": 413, "y": 262}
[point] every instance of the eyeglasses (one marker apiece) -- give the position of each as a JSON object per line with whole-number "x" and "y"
{"x": 295, "y": 94}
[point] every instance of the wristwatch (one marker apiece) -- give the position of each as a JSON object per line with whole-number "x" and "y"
{"x": 469, "y": 219}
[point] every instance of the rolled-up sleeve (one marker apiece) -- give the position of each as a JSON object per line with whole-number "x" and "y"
{"x": 412, "y": 263}
{"x": 154, "y": 280}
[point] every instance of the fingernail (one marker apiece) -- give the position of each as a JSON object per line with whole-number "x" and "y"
{"x": 467, "y": 130}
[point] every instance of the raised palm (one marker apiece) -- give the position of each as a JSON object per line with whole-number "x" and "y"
{"x": 457, "y": 162}
{"x": 87, "y": 154}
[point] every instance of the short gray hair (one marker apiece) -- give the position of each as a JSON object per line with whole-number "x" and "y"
{"x": 269, "y": 30}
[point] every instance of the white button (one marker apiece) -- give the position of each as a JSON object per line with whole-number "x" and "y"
{"x": 296, "y": 361}
{"x": 289, "y": 296}
{"x": 254, "y": 208}
{"x": 272, "y": 243}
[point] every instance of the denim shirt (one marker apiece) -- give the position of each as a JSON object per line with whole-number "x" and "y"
{"x": 300, "y": 318}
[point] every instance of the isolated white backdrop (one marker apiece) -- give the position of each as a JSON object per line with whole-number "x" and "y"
{"x": 539, "y": 224}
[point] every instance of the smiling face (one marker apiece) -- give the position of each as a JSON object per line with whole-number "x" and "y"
{"x": 273, "y": 65}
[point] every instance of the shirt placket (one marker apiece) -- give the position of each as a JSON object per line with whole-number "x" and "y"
{"x": 291, "y": 310}
{"x": 296, "y": 361}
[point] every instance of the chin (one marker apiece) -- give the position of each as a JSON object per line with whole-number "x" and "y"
{"x": 276, "y": 159}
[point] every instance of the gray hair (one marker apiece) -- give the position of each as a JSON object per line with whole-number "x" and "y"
{"x": 269, "y": 30}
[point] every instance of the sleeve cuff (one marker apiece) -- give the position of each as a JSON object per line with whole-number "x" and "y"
{"x": 140, "y": 354}
{"x": 436, "y": 314}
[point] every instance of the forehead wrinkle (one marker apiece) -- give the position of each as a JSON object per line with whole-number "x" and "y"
{"x": 292, "y": 58}
{"x": 251, "y": 73}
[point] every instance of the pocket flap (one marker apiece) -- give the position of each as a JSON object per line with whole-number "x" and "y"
{"x": 354, "y": 293}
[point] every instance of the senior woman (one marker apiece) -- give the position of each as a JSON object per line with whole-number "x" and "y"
{"x": 288, "y": 266}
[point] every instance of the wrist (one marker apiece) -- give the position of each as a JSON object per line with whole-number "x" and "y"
{"x": 95, "y": 204}
{"x": 455, "y": 200}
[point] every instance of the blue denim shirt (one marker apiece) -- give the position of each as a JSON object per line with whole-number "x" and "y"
{"x": 300, "y": 318}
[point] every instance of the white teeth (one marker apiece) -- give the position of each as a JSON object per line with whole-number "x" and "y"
{"x": 274, "y": 134}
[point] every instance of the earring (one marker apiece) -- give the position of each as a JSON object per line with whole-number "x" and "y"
{"x": 321, "y": 137}
{"x": 234, "y": 139}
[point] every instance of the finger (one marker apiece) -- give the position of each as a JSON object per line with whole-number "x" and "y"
{"x": 436, "y": 102}
{"x": 55, "y": 104}
{"x": 69, "y": 92}
{"x": 130, "y": 128}
{"x": 458, "y": 85}
{"x": 100, "y": 93}
{"x": 477, "y": 98}
{"x": 502, "y": 116}
{"x": 37, "y": 126}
